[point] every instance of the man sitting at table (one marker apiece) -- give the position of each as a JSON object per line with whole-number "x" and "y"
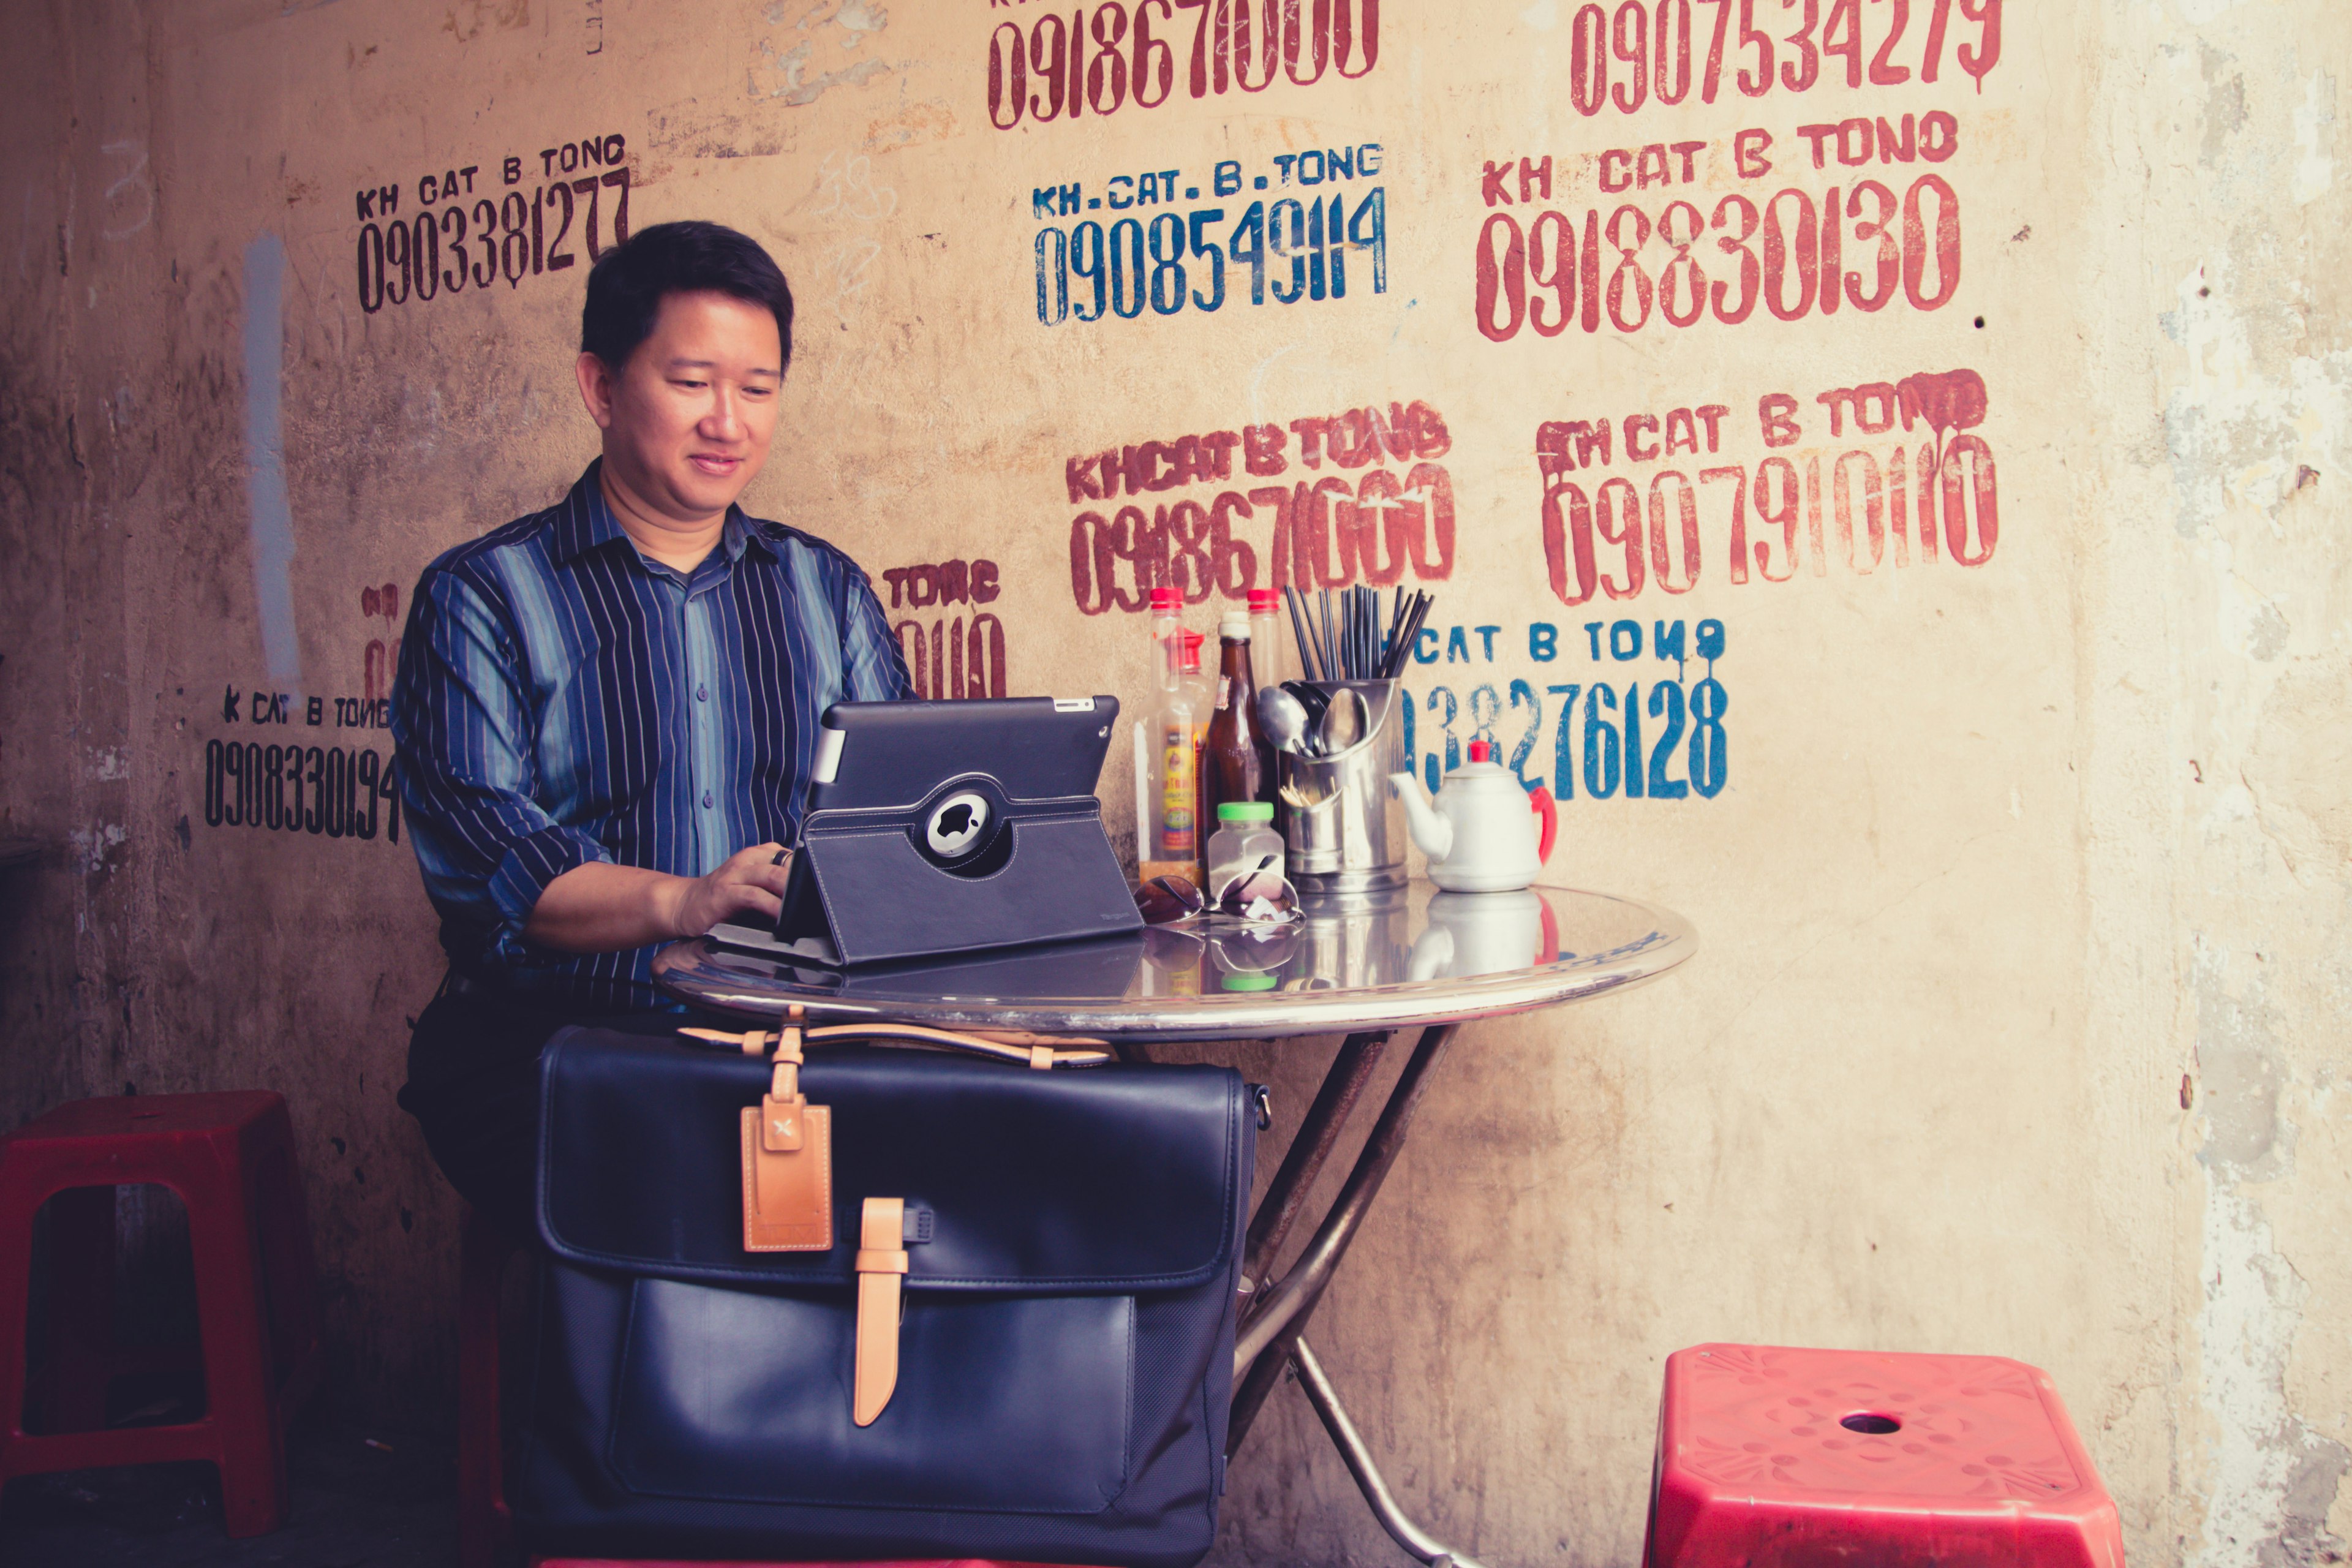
{"x": 606, "y": 713}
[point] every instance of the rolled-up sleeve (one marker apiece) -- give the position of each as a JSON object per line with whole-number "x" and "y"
{"x": 462, "y": 726}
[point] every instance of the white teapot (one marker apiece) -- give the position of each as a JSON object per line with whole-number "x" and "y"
{"x": 1482, "y": 835}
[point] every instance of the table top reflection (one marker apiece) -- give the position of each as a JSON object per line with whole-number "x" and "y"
{"x": 1395, "y": 959}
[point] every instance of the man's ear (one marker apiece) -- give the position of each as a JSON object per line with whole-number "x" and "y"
{"x": 596, "y": 389}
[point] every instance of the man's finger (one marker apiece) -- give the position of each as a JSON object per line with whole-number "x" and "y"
{"x": 758, "y": 901}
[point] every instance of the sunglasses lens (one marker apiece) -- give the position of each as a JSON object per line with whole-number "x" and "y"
{"x": 1258, "y": 896}
{"x": 1166, "y": 900}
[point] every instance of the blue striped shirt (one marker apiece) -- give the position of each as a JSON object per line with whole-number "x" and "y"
{"x": 562, "y": 698}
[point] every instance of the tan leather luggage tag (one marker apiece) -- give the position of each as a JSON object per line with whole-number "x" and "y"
{"x": 787, "y": 1153}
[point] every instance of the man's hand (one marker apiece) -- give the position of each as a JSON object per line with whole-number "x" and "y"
{"x": 751, "y": 879}
{"x": 602, "y": 908}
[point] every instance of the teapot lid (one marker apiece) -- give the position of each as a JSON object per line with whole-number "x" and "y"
{"x": 1483, "y": 764}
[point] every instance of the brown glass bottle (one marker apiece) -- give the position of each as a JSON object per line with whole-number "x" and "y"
{"x": 1236, "y": 758}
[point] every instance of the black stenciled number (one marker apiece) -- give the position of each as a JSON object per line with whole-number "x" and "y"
{"x": 486, "y": 220}
{"x": 395, "y": 264}
{"x": 558, "y": 259}
{"x": 424, "y": 258}
{"x": 454, "y": 278}
{"x": 371, "y": 266}
{"x": 514, "y": 244}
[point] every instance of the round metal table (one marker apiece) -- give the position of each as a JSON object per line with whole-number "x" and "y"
{"x": 1359, "y": 964}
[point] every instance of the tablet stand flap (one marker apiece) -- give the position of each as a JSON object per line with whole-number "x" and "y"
{"x": 1045, "y": 872}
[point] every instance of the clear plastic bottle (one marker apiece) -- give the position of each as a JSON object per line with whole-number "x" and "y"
{"x": 1269, "y": 639}
{"x": 1244, "y": 842}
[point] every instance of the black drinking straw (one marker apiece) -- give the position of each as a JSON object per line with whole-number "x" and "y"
{"x": 1331, "y": 635}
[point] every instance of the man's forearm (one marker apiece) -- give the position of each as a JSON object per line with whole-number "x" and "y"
{"x": 604, "y": 908}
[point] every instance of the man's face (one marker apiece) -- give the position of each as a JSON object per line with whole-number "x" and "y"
{"x": 687, "y": 421}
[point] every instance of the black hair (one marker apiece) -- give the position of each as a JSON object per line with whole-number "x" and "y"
{"x": 628, "y": 283}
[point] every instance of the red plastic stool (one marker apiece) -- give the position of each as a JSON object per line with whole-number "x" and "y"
{"x": 483, "y": 1523}
{"x": 230, "y": 1158}
{"x": 1770, "y": 1457}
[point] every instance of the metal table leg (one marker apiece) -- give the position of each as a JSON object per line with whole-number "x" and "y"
{"x": 1343, "y": 1085}
{"x": 1263, "y": 1344}
{"x": 1350, "y": 1444}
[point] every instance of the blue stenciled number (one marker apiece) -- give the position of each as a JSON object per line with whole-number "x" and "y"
{"x": 1167, "y": 264}
{"x": 1372, "y": 236}
{"x": 1452, "y": 760}
{"x": 1709, "y": 760}
{"x": 1128, "y": 288}
{"x": 1289, "y": 240}
{"x": 1052, "y": 277}
{"x": 1524, "y": 694}
{"x": 1203, "y": 246}
{"x": 1485, "y": 707}
{"x": 1635, "y": 784}
{"x": 1666, "y": 699}
{"x": 1252, "y": 229}
{"x": 1601, "y": 764}
{"x": 1086, "y": 265}
{"x": 1563, "y": 768}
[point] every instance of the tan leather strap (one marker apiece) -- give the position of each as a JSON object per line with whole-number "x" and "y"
{"x": 1022, "y": 1051}
{"x": 881, "y": 1260}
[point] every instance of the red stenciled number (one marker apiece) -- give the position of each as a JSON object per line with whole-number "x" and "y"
{"x": 1568, "y": 539}
{"x": 1694, "y": 277}
{"x": 1502, "y": 280}
{"x": 1007, "y": 82}
{"x": 1617, "y": 518}
{"x": 1915, "y": 244}
{"x": 1736, "y": 245}
{"x": 1778, "y": 248}
{"x": 1560, "y": 280}
{"x": 1687, "y": 515}
{"x": 1627, "y": 262}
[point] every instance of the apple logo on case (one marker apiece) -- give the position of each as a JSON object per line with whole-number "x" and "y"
{"x": 956, "y": 825}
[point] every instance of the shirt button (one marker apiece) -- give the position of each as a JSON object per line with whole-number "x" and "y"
{"x": 706, "y": 800}
{"x": 702, "y": 694}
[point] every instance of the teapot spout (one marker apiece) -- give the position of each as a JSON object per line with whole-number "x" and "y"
{"x": 1432, "y": 833}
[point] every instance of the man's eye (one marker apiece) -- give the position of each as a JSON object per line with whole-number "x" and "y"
{"x": 691, "y": 386}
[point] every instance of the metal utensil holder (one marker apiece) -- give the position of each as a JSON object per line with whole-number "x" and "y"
{"x": 1343, "y": 829}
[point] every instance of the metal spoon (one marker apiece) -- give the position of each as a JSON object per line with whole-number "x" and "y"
{"x": 1316, "y": 701}
{"x": 1344, "y": 723}
{"x": 1284, "y": 717}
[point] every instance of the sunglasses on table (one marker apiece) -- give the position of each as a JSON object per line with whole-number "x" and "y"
{"x": 1259, "y": 897}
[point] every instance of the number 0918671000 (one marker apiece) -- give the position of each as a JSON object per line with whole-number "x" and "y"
{"x": 1289, "y": 250}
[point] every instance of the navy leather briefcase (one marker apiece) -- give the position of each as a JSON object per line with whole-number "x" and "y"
{"x": 1051, "y": 1387}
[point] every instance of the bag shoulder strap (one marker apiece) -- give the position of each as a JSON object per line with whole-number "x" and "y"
{"x": 1038, "y": 1051}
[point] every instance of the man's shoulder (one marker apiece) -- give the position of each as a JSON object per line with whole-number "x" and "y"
{"x": 788, "y": 541}
{"x": 476, "y": 561}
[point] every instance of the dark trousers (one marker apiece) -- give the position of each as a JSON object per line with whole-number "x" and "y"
{"x": 473, "y": 1087}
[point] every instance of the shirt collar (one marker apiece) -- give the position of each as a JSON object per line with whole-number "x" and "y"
{"x": 587, "y": 521}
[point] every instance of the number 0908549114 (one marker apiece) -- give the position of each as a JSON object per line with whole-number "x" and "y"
{"x": 1291, "y": 251}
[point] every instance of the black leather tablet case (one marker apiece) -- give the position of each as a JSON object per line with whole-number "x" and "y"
{"x": 863, "y": 890}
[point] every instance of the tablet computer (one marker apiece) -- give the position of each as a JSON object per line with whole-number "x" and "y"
{"x": 915, "y": 811}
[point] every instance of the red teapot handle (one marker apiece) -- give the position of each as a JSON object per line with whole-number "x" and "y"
{"x": 1540, "y": 802}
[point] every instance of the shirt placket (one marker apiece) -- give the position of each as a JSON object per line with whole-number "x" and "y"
{"x": 705, "y": 758}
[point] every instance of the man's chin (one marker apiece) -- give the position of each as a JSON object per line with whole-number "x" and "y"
{"x": 703, "y": 493}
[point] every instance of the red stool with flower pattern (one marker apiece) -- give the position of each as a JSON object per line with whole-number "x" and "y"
{"x": 1772, "y": 1458}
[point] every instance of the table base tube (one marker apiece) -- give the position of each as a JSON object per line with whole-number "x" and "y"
{"x": 1350, "y": 1444}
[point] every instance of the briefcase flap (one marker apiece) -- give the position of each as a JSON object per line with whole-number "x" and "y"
{"x": 1110, "y": 1180}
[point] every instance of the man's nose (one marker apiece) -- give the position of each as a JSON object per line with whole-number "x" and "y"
{"x": 724, "y": 419}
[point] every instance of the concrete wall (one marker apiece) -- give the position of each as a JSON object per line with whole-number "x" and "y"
{"x": 2022, "y": 863}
